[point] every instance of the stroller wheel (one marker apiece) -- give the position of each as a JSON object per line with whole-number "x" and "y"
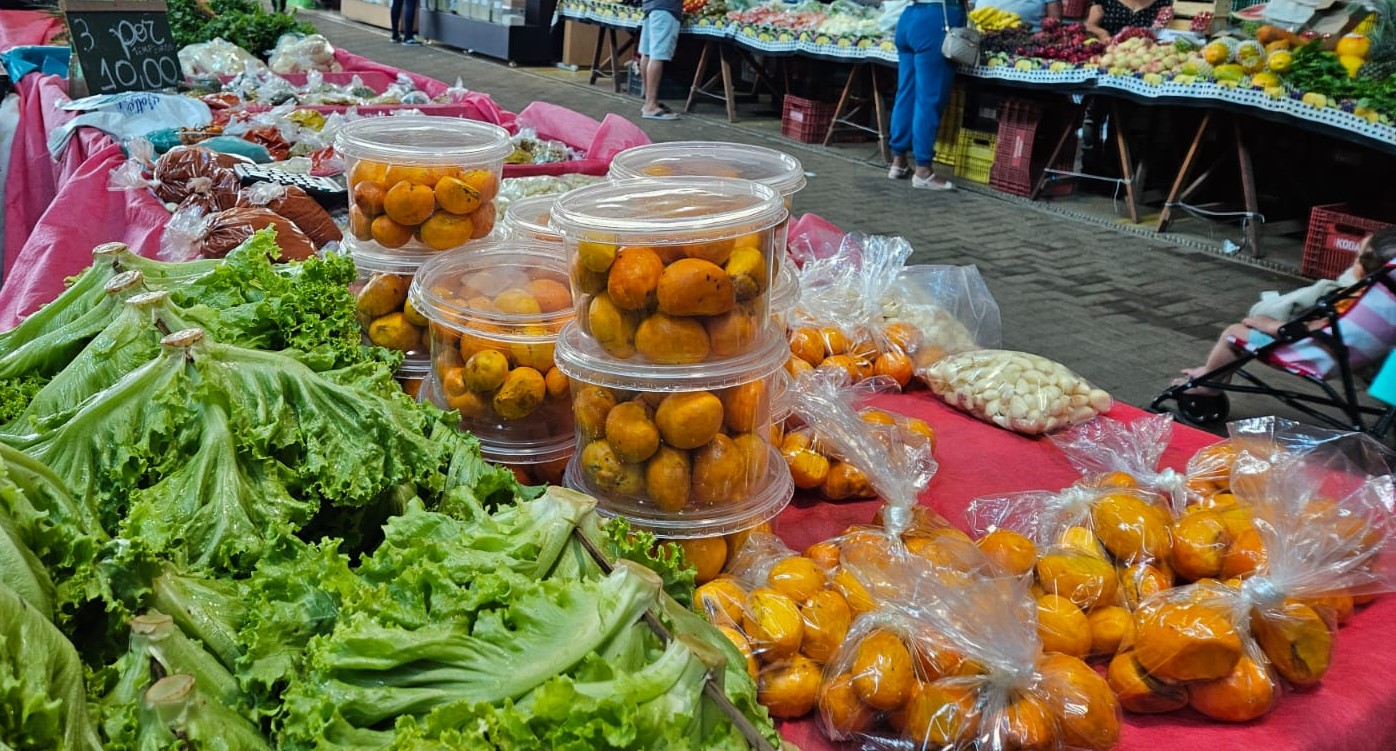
{"x": 1203, "y": 408}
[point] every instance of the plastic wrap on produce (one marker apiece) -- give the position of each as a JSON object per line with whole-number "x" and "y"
{"x": 1110, "y": 452}
{"x": 950, "y": 305}
{"x": 295, "y": 205}
{"x": 216, "y": 57}
{"x": 191, "y": 234}
{"x": 1017, "y": 391}
{"x": 296, "y": 53}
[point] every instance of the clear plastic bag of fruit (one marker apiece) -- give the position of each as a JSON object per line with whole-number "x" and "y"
{"x": 1328, "y": 530}
{"x": 1112, "y": 453}
{"x": 1017, "y": 391}
{"x": 945, "y": 309}
{"x": 957, "y": 664}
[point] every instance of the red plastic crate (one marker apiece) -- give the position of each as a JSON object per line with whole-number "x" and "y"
{"x": 1022, "y": 156}
{"x": 806, "y": 120}
{"x": 1333, "y": 239}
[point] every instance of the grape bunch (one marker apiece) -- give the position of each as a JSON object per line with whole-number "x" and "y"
{"x": 1067, "y": 42}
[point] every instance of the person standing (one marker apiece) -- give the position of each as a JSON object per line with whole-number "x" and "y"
{"x": 924, "y": 78}
{"x": 659, "y": 37}
{"x": 403, "y": 15}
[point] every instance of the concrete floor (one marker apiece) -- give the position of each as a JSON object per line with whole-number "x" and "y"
{"x": 1123, "y": 306}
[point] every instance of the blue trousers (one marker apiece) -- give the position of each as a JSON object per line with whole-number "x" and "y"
{"x": 406, "y": 10}
{"x": 924, "y": 77}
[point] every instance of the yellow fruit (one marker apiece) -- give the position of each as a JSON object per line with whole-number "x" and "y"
{"x": 796, "y": 577}
{"x": 1353, "y": 45}
{"x": 1265, "y": 80}
{"x": 773, "y": 623}
{"x": 721, "y": 601}
{"x": 1351, "y": 63}
{"x": 1280, "y": 61}
{"x": 1216, "y": 53}
{"x": 882, "y": 672}
{"x": 1062, "y": 626}
{"x": 707, "y": 556}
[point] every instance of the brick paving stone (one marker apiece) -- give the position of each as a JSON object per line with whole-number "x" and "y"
{"x": 1124, "y": 309}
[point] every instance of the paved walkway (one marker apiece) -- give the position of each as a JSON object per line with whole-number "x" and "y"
{"x": 1123, "y": 309}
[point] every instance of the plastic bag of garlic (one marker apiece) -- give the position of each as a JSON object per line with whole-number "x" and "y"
{"x": 1018, "y": 391}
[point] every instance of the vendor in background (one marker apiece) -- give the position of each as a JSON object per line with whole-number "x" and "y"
{"x": 924, "y": 77}
{"x": 1030, "y": 11}
{"x": 659, "y": 37}
{"x": 1106, "y": 18}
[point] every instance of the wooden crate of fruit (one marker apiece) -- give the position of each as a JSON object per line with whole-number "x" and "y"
{"x": 1202, "y": 18}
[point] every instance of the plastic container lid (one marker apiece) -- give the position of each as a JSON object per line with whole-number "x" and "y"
{"x": 700, "y": 521}
{"x": 667, "y": 211}
{"x": 532, "y": 215}
{"x": 369, "y": 258}
{"x": 579, "y": 357}
{"x": 481, "y": 256}
{"x": 777, "y": 169}
{"x": 413, "y": 369}
{"x": 785, "y": 293}
{"x": 421, "y": 139}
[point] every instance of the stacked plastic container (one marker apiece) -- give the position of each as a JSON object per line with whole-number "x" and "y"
{"x": 495, "y": 311}
{"x": 672, "y": 358}
{"x": 417, "y": 186}
{"x": 530, "y": 219}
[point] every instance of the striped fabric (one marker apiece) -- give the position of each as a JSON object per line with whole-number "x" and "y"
{"x": 1368, "y": 328}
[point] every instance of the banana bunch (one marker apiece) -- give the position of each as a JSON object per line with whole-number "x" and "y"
{"x": 994, "y": 19}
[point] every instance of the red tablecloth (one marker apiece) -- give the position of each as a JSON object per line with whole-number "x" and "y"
{"x": 24, "y": 28}
{"x": 1353, "y": 710}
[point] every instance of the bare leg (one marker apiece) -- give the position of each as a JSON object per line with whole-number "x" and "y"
{"x": 653, "y": 71}
{"x": 1223, "y": 353}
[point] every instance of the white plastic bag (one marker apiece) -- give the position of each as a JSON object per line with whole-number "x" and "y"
{"x": 1110, "y": 452}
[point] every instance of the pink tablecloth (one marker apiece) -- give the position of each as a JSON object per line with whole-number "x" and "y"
{"x": 1353, "y": 710}
{"x": 24, "y": 28}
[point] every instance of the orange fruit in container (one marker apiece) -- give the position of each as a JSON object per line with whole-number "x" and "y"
{"x": 694, "y": 287}
{"x": 409, "y": 204}
{"x": 719, "y": 471}
{"x": 689, "y": 420}
{"x": 707, "y": 554}
{"x": 671, "y": 340}
{"x": 633, "y": 280}
{"x": 669, "y": 479}
{"x": 456, "y": 196}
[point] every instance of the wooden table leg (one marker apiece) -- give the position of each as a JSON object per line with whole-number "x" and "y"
{"x": 882, "y": 146}
{"x": 1126, "y": 165}
{"x": 1071, "y": 127}
{"x": 727, "y": 93}
{"x": 615, "y": 62}
{"x": 843, "y": 99}
{"x": 698, "y": 76}
{"x": 1243, "y": 155}
{"x": 596, "y": 55}
{"x": 1176, "y": 193}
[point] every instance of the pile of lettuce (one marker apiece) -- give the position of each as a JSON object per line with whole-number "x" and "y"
{"x": 220, "y": 507}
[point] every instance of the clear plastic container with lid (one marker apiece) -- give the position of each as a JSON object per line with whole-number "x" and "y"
{"x": 673, "y": 271}
{"x": 494, "y": 315}
{"x": 682, "y": 454}
{"x": 785, "y": 295}
{"x": 388, "y": 320}
{"x": 777, "y": 169}
{"x": 531, "y": 219}
{"x": 420, "y": 183}
{"x": 532, "y": 465}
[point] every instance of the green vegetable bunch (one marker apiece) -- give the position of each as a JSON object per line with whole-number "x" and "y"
{"x": 1316, "y": 70}
{"x": 243, "y": 22}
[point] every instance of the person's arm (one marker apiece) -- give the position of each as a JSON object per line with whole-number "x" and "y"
{"x": 1054, "y": 10}
{"x": 1093, "y": 18}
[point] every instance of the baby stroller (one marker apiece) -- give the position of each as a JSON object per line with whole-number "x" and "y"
{"x": 1355, "y": 336}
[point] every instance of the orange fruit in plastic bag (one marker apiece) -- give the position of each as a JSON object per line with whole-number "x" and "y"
{"x": 740, "y": 642}
{"x": 825, "y": 554}
{"x": 845, "y": 481}
{"x": 797, "y": 577}
{"x": 1111, "y": 627}
{"x": 1084, "y": 579}
{"x": 1140, "y": 692}
{"x": 904, "y": 336}
{"x": 857, "y": 597}
{"x": 894, "y": 365}
{"x": 1062, "y": 626}
{"x": 920, "y": 427}
{"x": 1185, "y": 641}
{"x": 1130, "y": 527}
{"x": 844, "y": 713}
{"x": 789, "y": 689}
{"x": 826, "y": 615}
{"x": 743, "y": 406}
{"x": 707, "y": 555}
{"x": 737, "y": 540}
{"x": 1089, "y": 714}
{"x": 773, "y": 623}
{"x": 1298, "y": 641}
{"x": 1082, "y": 540}
{"x": 1243, "y": 556}
{"x": 1028, "y": 724}
{"x": 806, "y": 344}
{"x": 633, "y": 279}
{"x": 1115, "y": 480}
{"x": 1335, "y": 608}
{"x": 1141, "y": 580}
{"x": 1243, "y": 695}
{"x": 689, "y": 420}
{"x": 694, "y": 287}
{"x": 846, "y": 363}
{"x": 808, "y": 468}
{"x": 672, "y": 341}
{"x": 722, "y": 601}
{"x": 1200, "y": 540}
{"x": 877, "y": 417}
{"x": 940, "y": 715}
{"x": 409, "y": 204}
{"x": 881, "y": 670}
{"x": 590, "y": 408}
{"x": 1014, "y": 553}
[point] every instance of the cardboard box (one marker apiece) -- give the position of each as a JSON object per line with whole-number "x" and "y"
{"x": 579, "y": 44}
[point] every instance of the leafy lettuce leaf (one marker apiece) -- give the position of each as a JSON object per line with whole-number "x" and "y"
{"x": 41, "y": 684}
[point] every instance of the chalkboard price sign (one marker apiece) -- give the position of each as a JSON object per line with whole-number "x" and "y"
{"x": 123, "y": 45}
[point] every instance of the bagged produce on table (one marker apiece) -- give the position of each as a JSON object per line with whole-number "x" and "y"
{"x": 300, "y": 53}
{"x": 190, "y": 175}
{"x": 216, "y": 57}
{"x": 814, "y": 461}
{"x": 950, "y": 306}
{"x": 191, "y": 234}
{"x": 1228, "y": 647}
{"x": 1093, "y": 553}
{"x": 1017, "y": 391}
{"x": 957, "y": 664}
{"x": 1110, "y": 453}
{"x": 296, "y": 206}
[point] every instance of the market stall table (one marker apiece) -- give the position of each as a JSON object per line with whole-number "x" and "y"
{"x": 1351, "y": 710}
